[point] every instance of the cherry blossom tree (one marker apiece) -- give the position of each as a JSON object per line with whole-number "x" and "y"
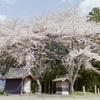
{"x": 71, "y": 28}
{"x": 26, "y": 46}
{"x": 79, "y": 36}
{"x": 27, "y": 42}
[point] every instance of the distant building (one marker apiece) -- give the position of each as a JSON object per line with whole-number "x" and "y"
{"x": 18, "y": 81}
{"x": 62, "y": 85}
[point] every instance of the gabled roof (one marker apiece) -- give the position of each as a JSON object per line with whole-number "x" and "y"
{"x": 61, "y": 79}
{"x": 16, "y": 73}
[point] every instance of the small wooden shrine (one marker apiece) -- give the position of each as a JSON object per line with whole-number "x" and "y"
{"x": 18, "y": 81}
{"x": 62, "y": 85}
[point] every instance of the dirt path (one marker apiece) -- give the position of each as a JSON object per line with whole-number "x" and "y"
{"x": 43, "y": 97}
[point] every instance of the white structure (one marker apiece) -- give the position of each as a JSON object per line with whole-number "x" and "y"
{"x": 27, "y": 85}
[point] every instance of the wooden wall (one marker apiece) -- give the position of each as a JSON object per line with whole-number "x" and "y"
{"x": 62, "y": 87}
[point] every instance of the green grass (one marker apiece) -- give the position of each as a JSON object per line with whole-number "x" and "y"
{"x": 1, "y": 94}
{"x": 81, "y": 93}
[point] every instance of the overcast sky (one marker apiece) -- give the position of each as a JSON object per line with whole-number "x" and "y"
{"x": 26, "y": 8}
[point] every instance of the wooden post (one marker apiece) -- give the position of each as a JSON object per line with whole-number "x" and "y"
{"x": 84, "y": 90}
{"x": 95, "y": 89}
{"x": 98, "y": 91}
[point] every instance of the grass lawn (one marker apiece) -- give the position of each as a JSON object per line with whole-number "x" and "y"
{"x": 76, "y": 93}
{"x": 81, "y": 93}
{"x": 1, "y": 94}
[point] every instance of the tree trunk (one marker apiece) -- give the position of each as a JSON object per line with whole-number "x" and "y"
{"x": 39, "y": 87}
{"x": 75, "y": 76}
{"x": 52, "y": 88}
{"x": 49, "y": 87}
{"x": 71, "y": 88}
{"x": 45, "y": 86}
{"x": 76, "y": 85}
{"x": 73, "y": 79}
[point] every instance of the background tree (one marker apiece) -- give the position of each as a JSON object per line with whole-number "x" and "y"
{"x": 87, "y": 78}
{"x": 94, "y": 15}
{"x": 7, "y": 61}
{"x": 55, "y": 67}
